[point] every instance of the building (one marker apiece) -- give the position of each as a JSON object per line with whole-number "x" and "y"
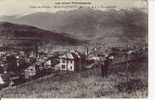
{"x": 2, "y": 51}
{"x": 69, "y": 61}
{"x": 30, "y": 71}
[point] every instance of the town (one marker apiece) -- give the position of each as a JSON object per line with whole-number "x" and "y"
{"x": 17, "y": 65}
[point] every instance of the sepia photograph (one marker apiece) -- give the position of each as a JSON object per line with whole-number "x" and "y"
{"x": 73, "y": 49}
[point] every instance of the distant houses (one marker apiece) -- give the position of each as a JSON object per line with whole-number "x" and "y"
{"x": 26, "y": 63}
{"x": 2, "y": 51}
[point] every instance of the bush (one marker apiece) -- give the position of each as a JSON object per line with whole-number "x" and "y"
{"x": 130, "y": 86}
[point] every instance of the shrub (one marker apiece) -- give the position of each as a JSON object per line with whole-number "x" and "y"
{"x": 130, "y": 86}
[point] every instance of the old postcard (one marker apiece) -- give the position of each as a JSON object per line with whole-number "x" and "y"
{"x": 73, "y": 49}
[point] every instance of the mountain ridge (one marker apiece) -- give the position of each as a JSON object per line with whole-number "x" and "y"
{"x": 17, "y": 31}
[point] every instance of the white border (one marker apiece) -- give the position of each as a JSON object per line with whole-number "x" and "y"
{"x": 151, "y": 49}
{"x": 151, "y": 95}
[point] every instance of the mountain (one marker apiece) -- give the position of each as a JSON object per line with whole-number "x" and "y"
{"x": 90, "y": 24}
{"x": 19, "y": 33}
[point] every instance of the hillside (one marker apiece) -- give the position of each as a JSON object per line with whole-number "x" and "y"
{"x": 87, "y": 84}
{"x": 17, "y": 33}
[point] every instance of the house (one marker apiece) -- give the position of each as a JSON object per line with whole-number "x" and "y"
{"x": 30, "y": 71}
{"x": 69, "y": 61}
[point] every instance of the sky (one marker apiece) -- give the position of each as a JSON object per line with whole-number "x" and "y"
{"x": 23, "y": 7}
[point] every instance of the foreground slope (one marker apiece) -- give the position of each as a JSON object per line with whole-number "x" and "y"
{"x": 87, "y": 84}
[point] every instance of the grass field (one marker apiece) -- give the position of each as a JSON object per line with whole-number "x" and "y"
{"x": 122, "y": 82}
